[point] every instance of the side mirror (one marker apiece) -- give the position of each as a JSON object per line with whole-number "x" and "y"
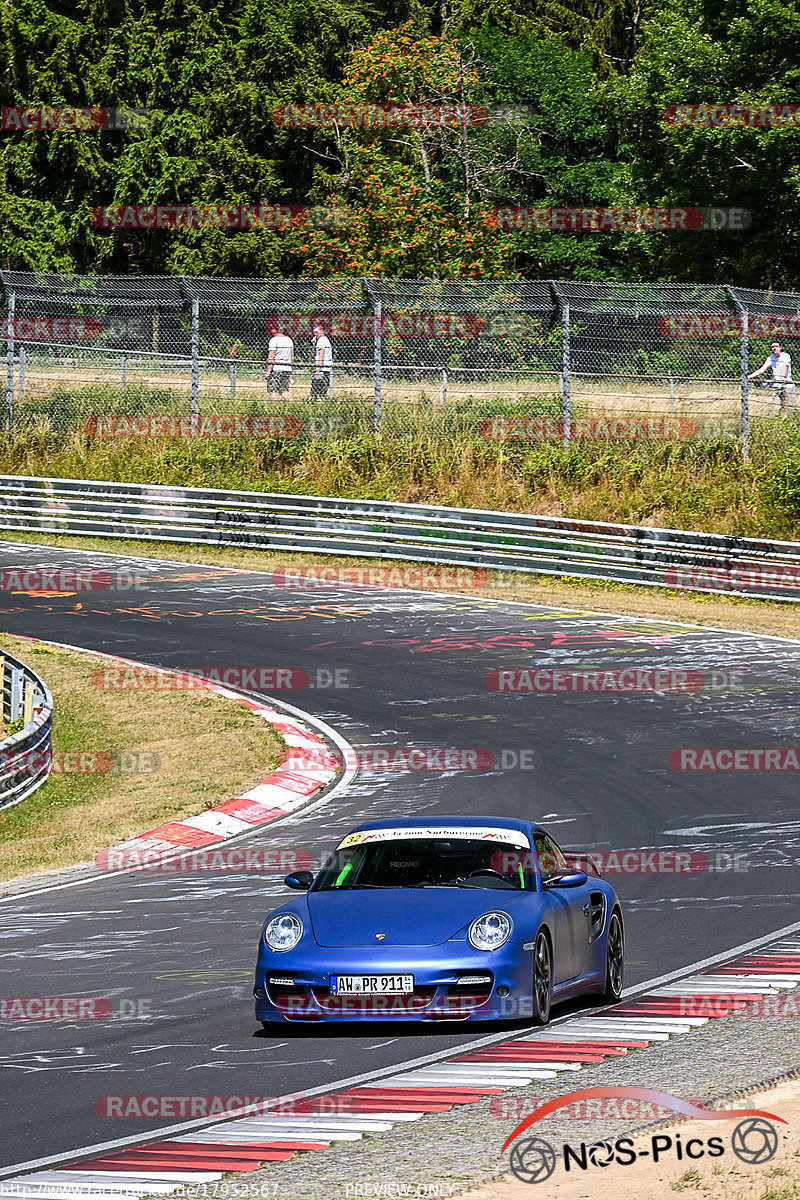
{"x": 300, "y": 881}
{"x": 568, "y": 880}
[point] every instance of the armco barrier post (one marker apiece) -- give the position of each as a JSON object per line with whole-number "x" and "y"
{"x": 15, "y": 707}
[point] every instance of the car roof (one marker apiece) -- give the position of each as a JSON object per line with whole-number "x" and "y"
{"x": 433, "y": 820}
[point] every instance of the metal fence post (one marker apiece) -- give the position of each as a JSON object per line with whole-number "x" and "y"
{"x": 745, "y": 420}
{"x": 195, "y": 363}
{"x": 671, "y": 394}
{"x": 21, "y": 378}
{"x": 564, "y": 375}
{"x": 377, "y": 311}
{"x": 444, "y": 387}
{"x": 123, "y": 370}
{"x": 744, "y": 424}
{"x": 567, "y": 381}
{"x": 12, "y": 304}
{"x": 233, "y": 376}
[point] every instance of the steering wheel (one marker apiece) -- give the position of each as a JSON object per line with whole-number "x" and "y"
{"x": 488, "y": 871}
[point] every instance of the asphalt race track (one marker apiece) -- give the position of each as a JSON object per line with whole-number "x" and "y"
{"x": 597, "y": 773}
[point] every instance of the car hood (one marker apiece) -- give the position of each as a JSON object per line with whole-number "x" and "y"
{"x": 406, "y": 917}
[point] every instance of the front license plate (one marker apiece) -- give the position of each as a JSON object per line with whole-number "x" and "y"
{"x": 372, "y": 985}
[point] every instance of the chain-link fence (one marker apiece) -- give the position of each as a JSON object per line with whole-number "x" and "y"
{"x": 503, "y": 360}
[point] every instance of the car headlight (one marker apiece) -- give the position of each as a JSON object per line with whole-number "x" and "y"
{"x": 490, "y": 931}
{"x": 283, "y": 932}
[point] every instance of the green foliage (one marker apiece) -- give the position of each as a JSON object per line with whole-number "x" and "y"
{"x": 780, "y": 481}
{"x": 596, "y": 76}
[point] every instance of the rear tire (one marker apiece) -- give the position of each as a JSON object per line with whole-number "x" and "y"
{"x": 542, "y": 979}
{"x": 615, "y": 959}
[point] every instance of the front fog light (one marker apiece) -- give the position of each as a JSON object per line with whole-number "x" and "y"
{"x": 490, "y": 931}
{"x": 283, "y": 932}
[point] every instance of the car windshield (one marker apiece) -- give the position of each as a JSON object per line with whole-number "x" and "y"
{"x": 427, "y": 862}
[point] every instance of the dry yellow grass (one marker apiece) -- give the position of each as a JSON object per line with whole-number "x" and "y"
{"x": 597, "y": 393}
{"x": 205, "y": 750}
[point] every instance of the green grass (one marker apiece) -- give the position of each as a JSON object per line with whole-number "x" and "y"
{"x": 195, "y": 749}
{"x": 429, "y": 455}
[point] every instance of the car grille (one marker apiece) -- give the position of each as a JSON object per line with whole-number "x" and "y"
{"x": 300, "y": 1002}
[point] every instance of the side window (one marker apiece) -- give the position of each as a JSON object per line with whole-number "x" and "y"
{"x": 551, "y": 860}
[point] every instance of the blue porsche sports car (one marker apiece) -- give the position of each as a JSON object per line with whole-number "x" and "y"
{"x": 451, "y": 918}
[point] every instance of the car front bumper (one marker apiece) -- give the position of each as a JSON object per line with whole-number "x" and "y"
{"x": 439, "y": 993}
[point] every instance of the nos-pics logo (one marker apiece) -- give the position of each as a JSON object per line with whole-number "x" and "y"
{"x": 533, "y": 1160}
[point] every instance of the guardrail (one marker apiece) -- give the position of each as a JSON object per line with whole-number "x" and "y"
{"x": 25, "y": 756}
{"x": 499, "y": 541}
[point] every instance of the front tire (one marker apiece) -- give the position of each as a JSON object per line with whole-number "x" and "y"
{"x": 615, "y": 960}
{"x": 542, "y": 979}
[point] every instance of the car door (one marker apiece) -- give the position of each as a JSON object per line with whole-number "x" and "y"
{"x": 569, "y": 908}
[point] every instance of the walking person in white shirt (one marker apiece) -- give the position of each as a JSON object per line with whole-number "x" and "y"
{"x": 280, "y": 360}
{"x": 323, "y": 363}
{"x": 781, "y": 365}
